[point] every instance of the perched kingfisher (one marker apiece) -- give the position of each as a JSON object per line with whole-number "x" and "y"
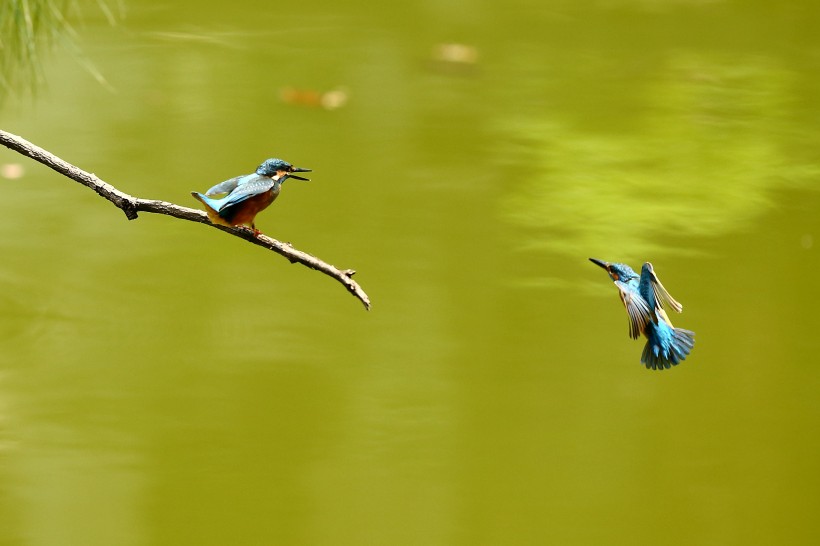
{"x": 237, "y": 201}
{"x": 644, "y": 298}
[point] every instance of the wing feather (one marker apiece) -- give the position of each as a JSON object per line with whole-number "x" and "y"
{"x": 662, "y": 297}
{"x": 226, "y": 187}
{"x": 246, "y": 190}
{"x": 636, "y": 308}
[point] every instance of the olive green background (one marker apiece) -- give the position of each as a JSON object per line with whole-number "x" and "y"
{"x": 163, "y": 383}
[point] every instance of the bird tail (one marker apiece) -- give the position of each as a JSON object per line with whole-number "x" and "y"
{"x": 205, "y": 200}
{"x": 211, "y": 207}
{"x": 665, "y": 351}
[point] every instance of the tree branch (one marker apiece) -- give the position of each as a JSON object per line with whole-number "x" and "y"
{"x": 131, "y": 206}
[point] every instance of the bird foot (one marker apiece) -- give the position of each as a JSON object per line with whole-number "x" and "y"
{"x": 255, "y": 232}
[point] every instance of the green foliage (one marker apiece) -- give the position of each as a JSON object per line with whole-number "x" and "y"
{"x": 28, "y": 29}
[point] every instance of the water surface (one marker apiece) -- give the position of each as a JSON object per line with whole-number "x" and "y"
{"x": 162, "y": 383}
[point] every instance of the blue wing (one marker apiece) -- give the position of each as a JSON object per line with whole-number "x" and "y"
{"x": 228, "y": 185}
{"x": 250, "y": 186}
{"x": 636, "y": 308}
{"x": 654, "y": 292}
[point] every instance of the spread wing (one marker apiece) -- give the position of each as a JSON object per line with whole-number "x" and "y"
{"x": 227, "y": 186}
{"x": 247, "y": 189}
{"x": 636, "y": 308}
{"x": 660, "y": 295}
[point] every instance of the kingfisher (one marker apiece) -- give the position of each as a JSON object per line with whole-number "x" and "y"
{"x": 237, "y": 201}
{"x": 645, "y": 299}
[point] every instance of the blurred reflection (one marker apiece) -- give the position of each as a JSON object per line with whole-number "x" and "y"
{"x": 710, "y": 147}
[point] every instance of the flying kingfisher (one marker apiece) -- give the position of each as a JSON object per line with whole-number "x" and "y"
{"x": 645, "y": 298}
{"x": 237, "y": 201}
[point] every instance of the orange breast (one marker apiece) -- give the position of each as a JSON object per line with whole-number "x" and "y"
{"x": 244, "y": 213}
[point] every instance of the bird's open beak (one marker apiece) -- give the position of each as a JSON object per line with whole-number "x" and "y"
{"x": 299, "y": 170}
{"x": 601, "y": 263}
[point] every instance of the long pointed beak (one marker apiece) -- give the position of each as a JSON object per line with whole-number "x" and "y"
{"x": 600, "y": 263}
{"x": 299, "y": 170}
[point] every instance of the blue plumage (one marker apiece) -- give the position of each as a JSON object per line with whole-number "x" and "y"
{"x": 645, "y": 299}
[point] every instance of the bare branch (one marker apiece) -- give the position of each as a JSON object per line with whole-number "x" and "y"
{"x": 131, "y": 206}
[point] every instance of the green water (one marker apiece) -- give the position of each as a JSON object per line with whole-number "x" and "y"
{"x": 163, "y": 383}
